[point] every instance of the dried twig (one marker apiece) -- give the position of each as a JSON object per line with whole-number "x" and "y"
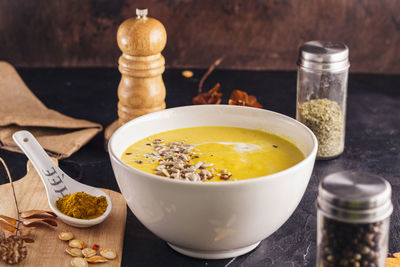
{"x": 13, "y": 190}
{"x": 210, "y": 69}
{"x": 29, "y": 218}
{"x": 12, "y": 248}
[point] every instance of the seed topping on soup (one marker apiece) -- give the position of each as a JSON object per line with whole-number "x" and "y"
{"x": 175, "y": 160}
{"x": 212, "y": 153}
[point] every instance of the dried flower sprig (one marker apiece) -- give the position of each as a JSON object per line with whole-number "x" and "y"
{"x": 241, "y": 98}
{"x": 214, "y": 95}
{"x": 211, "y": 97}
{"x": 210, "y": 69}
{"x": 12, "y": 248}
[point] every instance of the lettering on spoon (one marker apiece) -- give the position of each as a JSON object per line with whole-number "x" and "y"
{"x": 55, "y": 179}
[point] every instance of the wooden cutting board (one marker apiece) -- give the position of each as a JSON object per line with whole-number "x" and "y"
{"x": 48, "y": 250}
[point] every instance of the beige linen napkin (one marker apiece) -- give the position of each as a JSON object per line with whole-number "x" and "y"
{"x": 20, "y": 109}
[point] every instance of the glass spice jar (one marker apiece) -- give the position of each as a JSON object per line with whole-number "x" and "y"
{"x": 322, "y": 92}
{"x": 353, "y": 220}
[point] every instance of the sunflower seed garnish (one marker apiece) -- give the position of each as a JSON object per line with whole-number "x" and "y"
{"x": 207, "y": 165}
{"x": 174, "y": 162}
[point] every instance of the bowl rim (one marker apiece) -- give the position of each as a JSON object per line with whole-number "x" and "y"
{"x": 310, "y": 157}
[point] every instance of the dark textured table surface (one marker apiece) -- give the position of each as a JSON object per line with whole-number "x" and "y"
{"x": 372, "y": 145}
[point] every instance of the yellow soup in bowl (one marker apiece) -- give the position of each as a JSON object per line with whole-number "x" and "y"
{"x": 212, "y": 153}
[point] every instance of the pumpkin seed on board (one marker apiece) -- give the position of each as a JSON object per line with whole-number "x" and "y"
{"x": 88, "y": 252}
{"x": 79, "y": 262}
{"x": 76, "y": 243}
{"x": 65, "y": 236}
{"x": 96, "y": 259}
{"x": 108, "y": 253}
{"x": 74, "y": 252}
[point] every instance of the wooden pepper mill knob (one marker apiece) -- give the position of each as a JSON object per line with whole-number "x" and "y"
{"x": 141, "y": 89}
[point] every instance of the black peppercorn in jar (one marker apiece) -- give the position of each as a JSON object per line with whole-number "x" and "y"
{"x": 322, "y": 92}
{"x": 353, "y": 220}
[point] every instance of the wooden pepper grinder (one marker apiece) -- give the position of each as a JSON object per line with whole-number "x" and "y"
{"x": 141, "y": 89}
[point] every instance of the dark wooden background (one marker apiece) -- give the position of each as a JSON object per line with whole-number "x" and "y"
{"x": 256, "y": 34}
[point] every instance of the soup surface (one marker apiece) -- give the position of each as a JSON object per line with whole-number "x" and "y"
{"x": 212, "y": 153}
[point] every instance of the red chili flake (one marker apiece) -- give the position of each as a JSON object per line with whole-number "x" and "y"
{"x": 95, "y": 247}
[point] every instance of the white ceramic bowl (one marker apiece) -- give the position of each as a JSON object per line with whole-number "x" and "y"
{"x": 213, "y": 220}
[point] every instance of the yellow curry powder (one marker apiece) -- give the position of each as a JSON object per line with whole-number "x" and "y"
{"x": 82, "y": 206}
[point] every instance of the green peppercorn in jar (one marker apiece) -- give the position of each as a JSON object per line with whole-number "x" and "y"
{"x": 353, "y": 220}
{"x": 322, "y": 92}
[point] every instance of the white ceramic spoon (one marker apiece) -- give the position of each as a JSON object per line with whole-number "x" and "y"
{"x": 56, "y": 182}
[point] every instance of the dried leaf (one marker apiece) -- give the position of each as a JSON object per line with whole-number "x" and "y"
{"x": 38, "y": 214}
{"x": 211, "y": 97}
{"x": 8, "y": 227}
{"x": 10, "y": 220}
{"x": 241, "y": 98}
{"x": 33, "y": 222}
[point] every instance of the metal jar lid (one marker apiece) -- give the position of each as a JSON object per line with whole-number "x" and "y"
{"x": 324, "y": 55}
{"x": 355, "y": 197}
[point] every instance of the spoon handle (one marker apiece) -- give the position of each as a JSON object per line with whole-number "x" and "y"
{"x": 52, "y": 176}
